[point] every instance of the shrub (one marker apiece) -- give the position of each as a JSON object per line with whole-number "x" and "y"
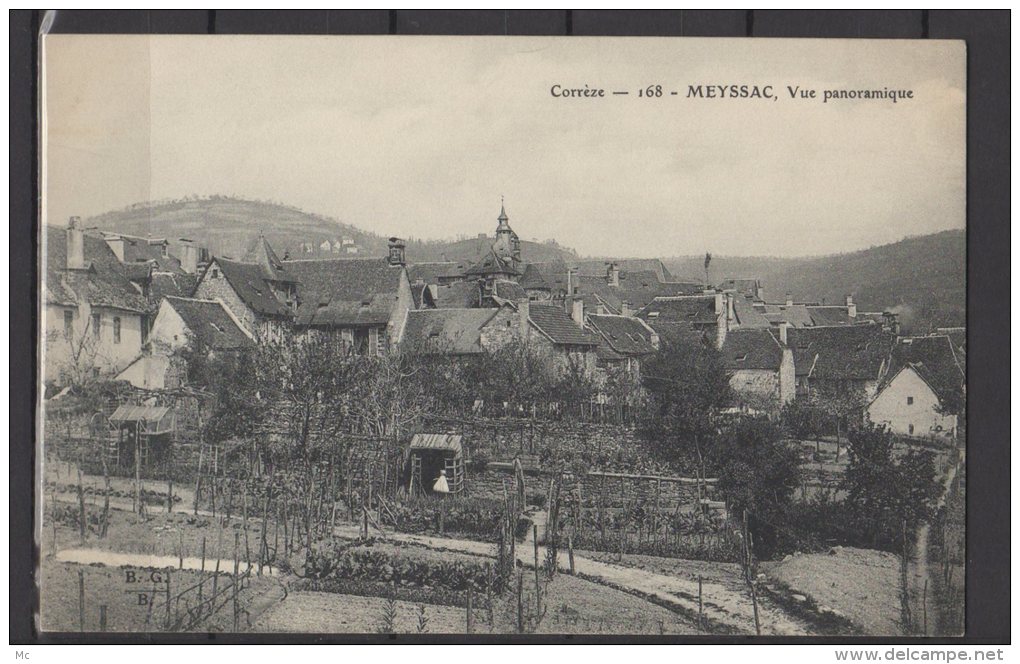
{"x": 475, "y": 517}
{"x": 400, "y": 568}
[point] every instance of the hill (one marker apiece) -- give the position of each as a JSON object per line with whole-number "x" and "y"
{"x": 227, "y": 226}
{"x": 923, "y": 278}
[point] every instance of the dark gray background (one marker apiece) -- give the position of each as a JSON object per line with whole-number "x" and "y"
{"x": 988, "y": 52}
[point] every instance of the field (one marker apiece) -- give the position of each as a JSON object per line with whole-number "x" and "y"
{"x": 861, "y": 585}
{"x": 367, "y": 576}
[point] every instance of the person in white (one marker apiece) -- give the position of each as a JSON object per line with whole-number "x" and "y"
{"x": 440, "y": 486}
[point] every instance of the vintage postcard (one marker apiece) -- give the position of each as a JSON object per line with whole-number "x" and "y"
{"x": 502, "y": 336}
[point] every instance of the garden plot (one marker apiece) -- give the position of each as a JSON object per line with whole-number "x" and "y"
{"x": 861, "y": 585}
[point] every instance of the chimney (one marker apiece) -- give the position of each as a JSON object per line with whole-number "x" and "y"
{"x": 397, "y": 251}
{"x": 759, "y": 292}
{"x": 783, "y": 327}
{"x": 75, "y": 244}
{"x": 116, "y": 245}
{"x": 851, "y": 308}
{"x": 718, "y": 304}
{"x": 189, "y": 256}
{"x": 613, "y": 275}
{"x": 625, "y": 309}
{"x": 577, "y": 311}
{"x": 523, "y": 312}
{"x": 789, "y": 299}
{"x": 654, "y": 339}
{"x": 731, "y": 317}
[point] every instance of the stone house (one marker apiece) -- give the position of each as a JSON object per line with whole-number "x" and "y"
{"x": 760, "y": 367}
{"x": 365, "y": 301}
{"x": 706, "y": 315}
{"x": 624, "y": 341}
{"x": 841, "y": 359}
{"x": 180, "y": 323}
{"x": 925, "y": 389}
{"x": 94, "y": 317}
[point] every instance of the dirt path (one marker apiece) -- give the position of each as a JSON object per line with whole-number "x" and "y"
{"x": 918, "y": 568}
{"x": 80, "y": 556}
{"x": 724, "y": 609}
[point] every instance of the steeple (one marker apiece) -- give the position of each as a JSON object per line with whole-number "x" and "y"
{"x": 504, "y": 221}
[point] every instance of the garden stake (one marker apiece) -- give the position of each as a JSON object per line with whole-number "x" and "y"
{"x": 237, "y": 542}
{"x": 166, "y": 624}
{"x": 201, "y": 577}
{"x": 81, "y": 600}
{"x": 469, "y": 607}
{"x": 520, "y": 602}
{"x": 81, "y": 507}
{"x": 102, "y": 617}
{"x": 538, "y": 586}
{"x": 701, "y": 614}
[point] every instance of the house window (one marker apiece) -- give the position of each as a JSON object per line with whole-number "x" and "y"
{"x": 97, "y": 321}
{"x": 116, "y": 329}
{"x": 910, "y": 429}
{"x": 215, "y": 273}
{"x": 910, "y": 401}
{"x": 68, "y": 322}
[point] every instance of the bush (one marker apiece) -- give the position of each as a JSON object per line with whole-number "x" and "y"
{"x": 402, "y": 567}
{"x": 473, "y": 517}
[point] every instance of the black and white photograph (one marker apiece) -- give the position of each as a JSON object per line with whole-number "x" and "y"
{"x": 502, "y": 337}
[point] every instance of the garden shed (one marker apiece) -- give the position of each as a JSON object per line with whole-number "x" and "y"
{"x": 148, "y": 430}
{"x": 432, "y": 452}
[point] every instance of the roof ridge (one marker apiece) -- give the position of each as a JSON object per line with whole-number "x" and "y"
{"x": 193, "y": 299}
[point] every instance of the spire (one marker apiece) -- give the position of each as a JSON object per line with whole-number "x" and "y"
{"x": 503, "y": 219}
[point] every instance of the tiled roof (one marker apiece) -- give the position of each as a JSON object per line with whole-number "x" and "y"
{"x": 248, "y": 282}
{"x": 550, "y": 275}
{"x": 491, "y": 263}
{"x": 433, "y": 273}
{"x": 103, "y": 284}
{"x": 345, "y": 291}
{"x": 747, "y": 287}
{"x": 830, "y": 315}
{"x": 599, "y": 268}
{"x": 262, "y": 254}
{"x": 934, "y": 359}
{"x": 752, "y": 349}
{"x": 747, "y": 315}
{"x": 449, "y": 331}
{"x": 508, "y": 290}
{"x": 558, "y": 326}
{"x": 211, "y": 323}
{"x": 844, "y": 352}
{"x": 797, "y": 315}
{"x": 138, "y": 272}
{"x": 458, "y": 295}
{"x": 693, "y": 310}
{"x": 673, "y": 333}
{"x": 169, "y": 283}
{"x": 626, "y": 336}
{"x": 147, "y": 250}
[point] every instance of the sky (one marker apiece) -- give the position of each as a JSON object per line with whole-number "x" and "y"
{"x": 421, "y": 136}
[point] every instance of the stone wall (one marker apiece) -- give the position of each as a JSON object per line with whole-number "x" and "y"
{"x": 611, "y": 490}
